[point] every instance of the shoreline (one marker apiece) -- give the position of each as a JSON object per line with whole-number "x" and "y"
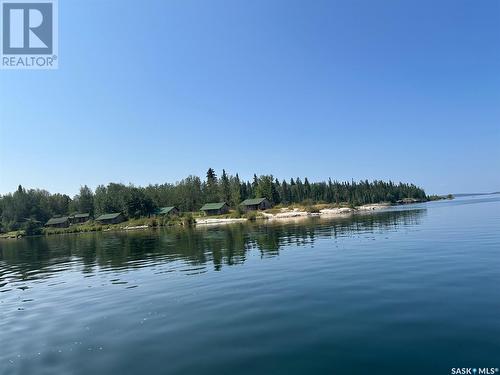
{"x": 294, "y": 213}
{"x": 285, "y": 213}
{"x": 290, "y": 213}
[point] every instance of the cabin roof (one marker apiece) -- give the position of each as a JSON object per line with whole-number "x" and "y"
{"x": 213, "y": 206}
{"x": 252, "y": 202}
{"x": 81, "y": 216}
{"x": 109, "y": 216}
{"x": 166, "y": 210}
{"x": 57, "y": 220}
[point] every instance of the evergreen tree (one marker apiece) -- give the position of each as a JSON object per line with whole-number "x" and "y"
{"x": 224, "y": 188}
{"x": 85, "y": 200}
{"x": 236, "y": 193}
{"x": 285, "y": 193}
{"x": 255, "y": 184}
{"x": 307, "y": 189}
{"x": 211, "y": 190}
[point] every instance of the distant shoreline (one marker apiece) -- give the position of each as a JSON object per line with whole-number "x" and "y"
{"x": 474, "y": 194}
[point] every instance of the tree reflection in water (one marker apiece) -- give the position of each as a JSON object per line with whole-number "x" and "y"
{"x": 39, "y": 257}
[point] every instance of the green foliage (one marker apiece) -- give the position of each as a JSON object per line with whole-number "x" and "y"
{"x": 311, "y": 209}
{"x": 91, "y": 227}
{"x": 236, "y": 213}
{"x": 224, "y": 188}
{"x": 137, "y": 203}
{"x": 239, "y": 210}
{"x": 275, "y": 210}
{"x": 22, "y": 205}
{"x": 434, "y": 197}
{"x": 439, "y": 197}
{"x": 251, "y": 215}
{"x": 188, "y": 219}
{"x": 84, "y": 201}
{"x": 32, "y": 227}
{"x": 235, "y": 188}
{"x": 211, "y": 188}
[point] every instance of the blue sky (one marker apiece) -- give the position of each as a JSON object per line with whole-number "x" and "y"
{"x": 152, "y": 91}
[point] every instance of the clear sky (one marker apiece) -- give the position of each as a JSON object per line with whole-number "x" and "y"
{"x": 152, "y": 91}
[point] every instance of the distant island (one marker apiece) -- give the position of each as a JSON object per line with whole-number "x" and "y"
{"x": 28, "y": 211}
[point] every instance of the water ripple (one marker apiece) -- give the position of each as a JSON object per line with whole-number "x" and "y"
{"x": 409, "y": 285}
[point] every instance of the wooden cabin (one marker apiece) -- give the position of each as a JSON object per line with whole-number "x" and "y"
{"x": 255, "y": 204}
{"x": 220, "y": 208}
{"x": 114, "y": 218}
{"x": 58, "y": 222}
{"x": 168, "y": 211}
{"x": 79, "y": 218}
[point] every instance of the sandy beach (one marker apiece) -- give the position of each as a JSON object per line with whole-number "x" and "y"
{"x": 295, "y": 213}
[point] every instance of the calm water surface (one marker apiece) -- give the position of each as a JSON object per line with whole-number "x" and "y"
{"x": 409, "y": 290}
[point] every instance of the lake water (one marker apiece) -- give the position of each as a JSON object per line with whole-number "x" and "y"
{"x": 411, "y": 290}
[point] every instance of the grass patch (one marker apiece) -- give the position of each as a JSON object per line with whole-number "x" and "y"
{"x": 12, "y": 234}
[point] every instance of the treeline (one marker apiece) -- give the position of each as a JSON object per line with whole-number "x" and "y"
{"x": 190, "y": 194}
